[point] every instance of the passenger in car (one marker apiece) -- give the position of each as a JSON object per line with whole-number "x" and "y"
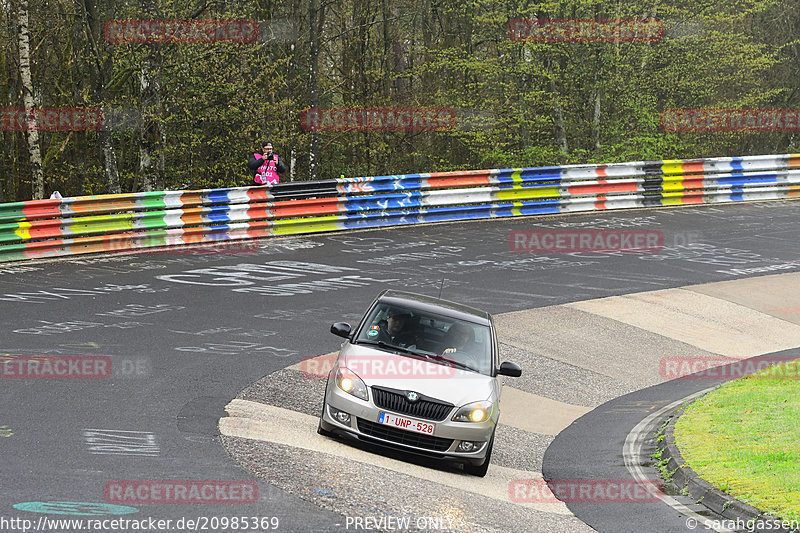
{"x": 459, "y": 344}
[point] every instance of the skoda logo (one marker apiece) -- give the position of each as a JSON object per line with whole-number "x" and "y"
{"x": 412, "y": 397}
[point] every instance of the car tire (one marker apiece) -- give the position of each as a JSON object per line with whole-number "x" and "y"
{"x": 480, "y": 471}
{"x": 320, "y": 429}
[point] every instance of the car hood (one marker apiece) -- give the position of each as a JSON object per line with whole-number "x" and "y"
{"x": 405, "y": 373}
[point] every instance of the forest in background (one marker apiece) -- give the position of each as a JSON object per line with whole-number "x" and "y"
{"x": 188, "y": 115}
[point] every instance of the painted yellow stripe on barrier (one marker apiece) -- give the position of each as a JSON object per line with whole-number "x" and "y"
{"x": 528, "y": 192}
{"x": 306, "y": 225}
{"x": 672, "y": 166}
{"x": 23, "y": 232}
{"x": 516, "y": 176}
{"x": 515, "y": 210}
{"x": 102, "y": 224}
{"x": 673, "y": 184}
{"x": 672, "y": 201}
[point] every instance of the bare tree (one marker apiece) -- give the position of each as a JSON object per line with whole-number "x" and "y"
{"x": 316, "y": 16}
{"x": 99, "y": 65}
{"x": 34, "y": 149}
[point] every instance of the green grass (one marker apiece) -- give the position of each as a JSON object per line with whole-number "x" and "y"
{"x": 744, "y": 438}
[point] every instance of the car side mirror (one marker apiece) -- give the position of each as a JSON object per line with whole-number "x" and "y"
{"x": 341, "y": 329}
{"x": 508, "y": 368}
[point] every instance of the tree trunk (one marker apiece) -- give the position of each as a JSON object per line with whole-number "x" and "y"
{"x": 98, "y": 67}
{"x": 315, "y": 17}
{"x": 28, "y": 99}
{"x": 561, "y": 129}
{"x": 150, "y": 136}
{"x": 596, "y": 114}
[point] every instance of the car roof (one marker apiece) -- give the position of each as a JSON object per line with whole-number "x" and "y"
{"x": 430, "y": 304}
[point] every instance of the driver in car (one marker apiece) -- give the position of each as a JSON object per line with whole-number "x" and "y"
{"x": 397, "y": 329}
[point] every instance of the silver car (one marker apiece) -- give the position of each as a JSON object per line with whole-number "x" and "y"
{"x": 418, "y": 374}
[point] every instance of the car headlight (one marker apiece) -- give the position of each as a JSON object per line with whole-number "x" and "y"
{"x": 348, "y": 381}
{"x": 474, "y": 412}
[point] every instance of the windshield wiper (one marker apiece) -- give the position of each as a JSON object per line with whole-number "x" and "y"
{"x": 452, "y": 361}
{"x": 383, "y": 344}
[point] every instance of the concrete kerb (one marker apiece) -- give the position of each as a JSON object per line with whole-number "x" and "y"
{"x": 686, "y": 481}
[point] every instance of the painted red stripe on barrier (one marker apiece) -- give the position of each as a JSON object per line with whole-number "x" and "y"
{"x": 693, "y": 167}
{"x": 45, "y": 229}
{"x": 601, "y": 171}
{"x": 258, "y": 211}
{"x": 317, "y": 206}
{"x": 461, "y": 181}
{"x": 603, "y": 187}
{"x": 258, "y": 194}
{"x": 693, "y": 182}
{"x": 691, "y": 199}
{"x": 259, "y": 229}
{"x": 41, "y": 208}
{"x": 458, "y": 173}
{"x": 87, "y": 205}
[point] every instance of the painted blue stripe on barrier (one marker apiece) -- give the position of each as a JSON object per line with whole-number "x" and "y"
{"x": 223, "y": 227}
{"x": 218, "y": 214}
{"x": 217, "y": 195}
{"x": 528, "y": 185}
{"x": 382, "y": 204}
{"x": 526, "y": 210}
{"x": 387, "y": 186}
{"x": 736, "y": 163}
{"x": 352, "y": 201}
{"x": 551, "y": 173}
{"x": 746, "y": 180}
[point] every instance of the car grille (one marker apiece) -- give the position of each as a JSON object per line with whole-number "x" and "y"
{"x": 402, "y": 436}
{"x": 426, "y": 408}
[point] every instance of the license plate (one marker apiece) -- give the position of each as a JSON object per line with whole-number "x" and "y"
{"x": 406, "y": 423}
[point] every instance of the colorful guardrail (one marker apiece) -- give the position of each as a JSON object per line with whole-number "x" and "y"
{"x": 87, "y": 224}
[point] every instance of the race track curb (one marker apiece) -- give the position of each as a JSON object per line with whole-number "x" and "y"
{"x": 686, "y": 481}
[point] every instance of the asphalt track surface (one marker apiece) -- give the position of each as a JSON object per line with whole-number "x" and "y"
{"x": 187, "y": 331}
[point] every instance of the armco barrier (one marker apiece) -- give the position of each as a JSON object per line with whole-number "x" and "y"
{"x": 67, "y": 226}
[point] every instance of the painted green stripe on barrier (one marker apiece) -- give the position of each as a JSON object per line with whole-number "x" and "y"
{"x": 155, "y": 202}
{"x": 155, "y": 219}
{"x": 11, "y": 211}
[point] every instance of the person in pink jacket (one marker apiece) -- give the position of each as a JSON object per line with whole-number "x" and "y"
{"x": 266, "y": 165}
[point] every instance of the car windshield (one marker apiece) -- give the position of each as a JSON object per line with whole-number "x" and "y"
{"x": 440, "y": 338}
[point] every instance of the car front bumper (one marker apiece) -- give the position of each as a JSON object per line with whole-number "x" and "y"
{"x": 443, "y": 443}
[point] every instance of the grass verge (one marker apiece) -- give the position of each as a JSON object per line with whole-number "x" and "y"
{"x": 744, "y": 438}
